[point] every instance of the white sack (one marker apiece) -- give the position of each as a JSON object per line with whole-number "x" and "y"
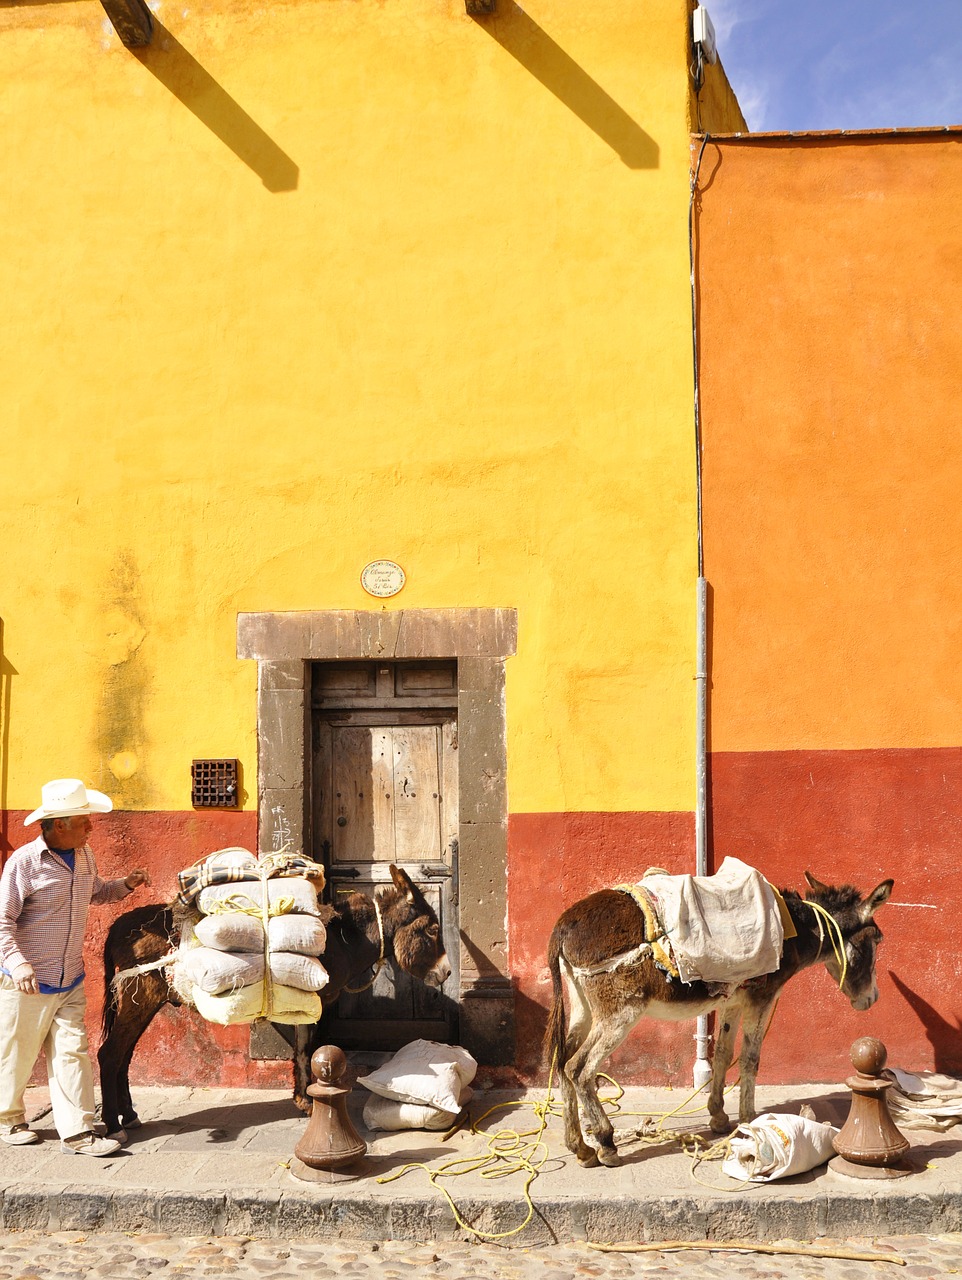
{"x": 231, "y": 932}
{"x": 425, "y": 1072}
{"x": 216, "y": 971}
{"x": 250, "y": 894}
{"x": 778, "y": 1146}
{"x": 301, "y": 933}
{"x": 722, "y": 928}
{"x": 385, "y": 1113}
{"x": 234, "y": 931}
{"x": 291, "y": 970}
{"x": 288, "y": 1005}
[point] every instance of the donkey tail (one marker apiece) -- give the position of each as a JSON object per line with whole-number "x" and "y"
{"x": 110, "y": 995}
{"x": 556, "y": 1031}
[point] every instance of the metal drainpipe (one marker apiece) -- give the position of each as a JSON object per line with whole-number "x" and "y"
{"x": 702, "y": 1065}
{"x": 702, "y": 1068}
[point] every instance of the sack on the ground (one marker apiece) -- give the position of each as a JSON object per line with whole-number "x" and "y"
{"x": 425, "y": 1072}
{"x": 385, "y": 1113}
{"x": 778, "y": 1146}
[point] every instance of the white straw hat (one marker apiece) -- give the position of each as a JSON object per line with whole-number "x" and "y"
{"x": 65, "y": 798}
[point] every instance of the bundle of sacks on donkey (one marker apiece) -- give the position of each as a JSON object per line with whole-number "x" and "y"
{"x": 250, "y": 937}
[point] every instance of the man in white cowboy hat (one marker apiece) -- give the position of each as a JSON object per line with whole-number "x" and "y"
{"x": 45, "y": 891}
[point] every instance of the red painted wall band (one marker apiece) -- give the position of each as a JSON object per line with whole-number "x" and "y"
{"x": 848, "y": 816}
{"x": 855, "y": 817}
{"x": 179, "y": 1047}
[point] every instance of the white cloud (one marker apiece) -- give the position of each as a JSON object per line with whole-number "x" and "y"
{"x": 737, "y": 24}
{"x": 724, "y": 17}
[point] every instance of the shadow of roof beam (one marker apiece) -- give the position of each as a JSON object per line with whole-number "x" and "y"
{"x": 131, "y": 20}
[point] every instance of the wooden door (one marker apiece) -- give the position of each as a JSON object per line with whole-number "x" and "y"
{"x": 385, "y": 790}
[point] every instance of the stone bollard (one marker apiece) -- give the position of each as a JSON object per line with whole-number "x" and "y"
{"x": 330, "y": 1143}
{"x": 869, "y": 1144}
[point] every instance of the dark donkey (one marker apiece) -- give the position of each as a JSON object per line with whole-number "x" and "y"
{"x": 403, "y": 927}
{"x": 606, "y": 1003}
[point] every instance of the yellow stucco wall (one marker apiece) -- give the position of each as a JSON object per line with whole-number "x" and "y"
{"x": 314, "y": 282}
{"x": 714, "y": 107}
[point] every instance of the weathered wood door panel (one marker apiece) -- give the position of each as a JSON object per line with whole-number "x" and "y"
{"x": 385, "y": 790}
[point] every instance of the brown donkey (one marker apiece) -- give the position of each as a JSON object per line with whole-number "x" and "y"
{"x": 404, "y": 928}
{"x": 598, "y": 947}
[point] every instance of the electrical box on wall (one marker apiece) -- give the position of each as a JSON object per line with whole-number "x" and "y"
{"x": 214, "y": 784}
{"x": 703, "y": 33}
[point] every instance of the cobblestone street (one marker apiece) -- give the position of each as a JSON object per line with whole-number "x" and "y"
{"x": 70, "y": 1255}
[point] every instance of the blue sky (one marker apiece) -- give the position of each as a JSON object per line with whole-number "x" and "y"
{"x": 842, "y": 64}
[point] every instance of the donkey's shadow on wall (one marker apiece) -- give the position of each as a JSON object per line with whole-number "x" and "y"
{"x": 944, "y": 1036}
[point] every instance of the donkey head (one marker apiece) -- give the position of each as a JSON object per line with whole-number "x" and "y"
{"x": 418, "y": 947}
{"x": 860, "y": 936}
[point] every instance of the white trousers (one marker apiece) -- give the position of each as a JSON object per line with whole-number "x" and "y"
{"x": 54, "y": 1024}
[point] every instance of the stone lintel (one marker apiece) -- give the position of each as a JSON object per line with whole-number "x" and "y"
{"x": 351, "y": 634}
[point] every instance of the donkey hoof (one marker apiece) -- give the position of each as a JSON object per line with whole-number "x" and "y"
{"x": 588, "y": 1159}
{"x": 720, "y": 1123}
{"x": 609, "y": 1157}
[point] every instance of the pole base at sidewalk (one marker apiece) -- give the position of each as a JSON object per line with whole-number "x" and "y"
{"x": 850, "y": 1170}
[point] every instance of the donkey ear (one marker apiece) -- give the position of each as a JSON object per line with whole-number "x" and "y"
{"x": 402, "y": 882}
{"x": 875, "y": 899}
{"x": 815, "y": 884}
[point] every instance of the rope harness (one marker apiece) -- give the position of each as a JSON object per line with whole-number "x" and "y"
{"x": 379, "y": 964}
{"x": 836, "y": 938}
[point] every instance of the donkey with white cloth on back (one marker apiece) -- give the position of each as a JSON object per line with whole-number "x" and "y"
{"x": 676, "y": 947}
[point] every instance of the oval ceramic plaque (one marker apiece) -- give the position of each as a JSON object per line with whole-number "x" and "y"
{"x": 382, "y": 578}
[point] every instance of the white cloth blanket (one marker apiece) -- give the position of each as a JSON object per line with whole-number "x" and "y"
{"x": 923, "y": 1100}
{"x": 722, "y": 928}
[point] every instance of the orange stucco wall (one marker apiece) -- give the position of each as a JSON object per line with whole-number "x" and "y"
{"x": 830, "y": 357}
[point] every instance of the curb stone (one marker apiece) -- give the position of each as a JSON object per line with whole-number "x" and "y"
{"x": 281, "y": 1213}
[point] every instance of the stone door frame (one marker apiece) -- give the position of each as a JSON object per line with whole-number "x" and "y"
{"x": 284, "y": 645}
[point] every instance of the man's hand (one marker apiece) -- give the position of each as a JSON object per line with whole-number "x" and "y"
{"x": 25, "y": 980}
{"x": 136, "y": 878}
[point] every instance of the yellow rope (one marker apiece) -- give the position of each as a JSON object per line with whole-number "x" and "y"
{"x": 838, "y": 946}
{"x": 234, "y": 903}
{"x": 508, "y": 1153}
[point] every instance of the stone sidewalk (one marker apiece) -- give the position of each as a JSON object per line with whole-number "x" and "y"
{"x": 217, "y": 1162}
